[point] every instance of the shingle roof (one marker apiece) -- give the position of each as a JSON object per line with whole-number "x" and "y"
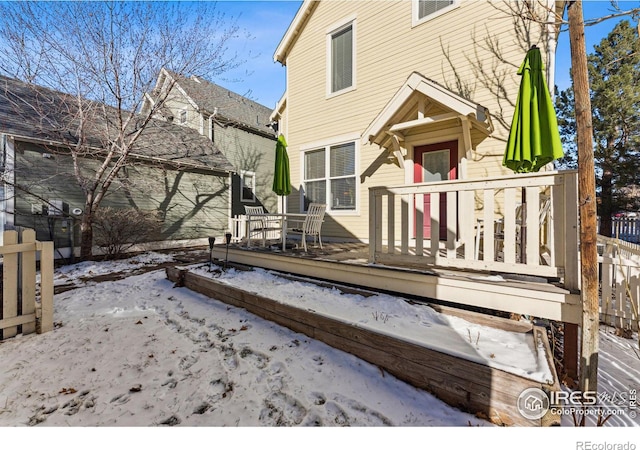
{"x": 40, "y": 114}
{"x": 228, "y": 105}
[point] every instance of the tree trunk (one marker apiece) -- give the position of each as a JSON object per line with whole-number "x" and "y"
{"x": 86, "y": 233}
{"x": 587, "y": 200}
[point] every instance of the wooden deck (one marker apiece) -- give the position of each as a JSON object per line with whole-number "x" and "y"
{"x": 347, "y": 263}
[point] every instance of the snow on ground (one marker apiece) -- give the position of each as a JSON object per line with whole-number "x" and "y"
{"x": 138, "y": 352}
{"x": 511, "y": 352}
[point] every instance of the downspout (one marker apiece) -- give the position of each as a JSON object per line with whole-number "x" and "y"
{"x": 8, "y": 174}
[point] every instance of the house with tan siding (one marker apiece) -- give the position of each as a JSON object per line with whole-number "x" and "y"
{"x": 399, "y": 92}
{"x": 396, "y": 115}
{"x": 238, "y": 126}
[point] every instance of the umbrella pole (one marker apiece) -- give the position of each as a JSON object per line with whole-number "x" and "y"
{"x": 284, "y": 224}
{"x": 523, "y": 228}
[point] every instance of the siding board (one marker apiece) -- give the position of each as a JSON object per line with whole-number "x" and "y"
{"x": 389, "y": 49}
{"x": 192, "y": 204}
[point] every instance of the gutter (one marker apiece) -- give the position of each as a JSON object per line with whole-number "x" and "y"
{"x": 177, "y": 164}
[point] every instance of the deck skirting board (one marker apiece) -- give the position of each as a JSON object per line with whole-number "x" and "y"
{"x": 533, "y": 299}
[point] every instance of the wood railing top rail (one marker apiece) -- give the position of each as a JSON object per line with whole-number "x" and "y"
{"x": 512, "y": 181}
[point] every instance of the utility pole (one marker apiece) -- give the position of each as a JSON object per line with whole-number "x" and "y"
{"x": 587, "y": 200}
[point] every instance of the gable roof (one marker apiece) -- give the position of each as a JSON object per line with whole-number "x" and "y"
{"x": 402, "y": 112}
{"x": 37, "y": 114}
{"x": 295, "y": 28}
{"x": 224, "y": 104}
{"x": 308, "y": 7}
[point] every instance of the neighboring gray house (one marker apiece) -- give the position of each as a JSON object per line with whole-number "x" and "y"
{"x": 174, "y": 171}
{"x": 239, "y": 127}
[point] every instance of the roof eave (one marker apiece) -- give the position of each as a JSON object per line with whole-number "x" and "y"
{"x": 377, "y": 130}
{"x": 280, "y": 107}
{"x": 295, "y": 28}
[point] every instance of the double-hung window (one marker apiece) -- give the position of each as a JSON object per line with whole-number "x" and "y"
{"x": 247, "y": 186}
{"x": 341, "y": 58}
{"x": 424, "y": 10}
{"x": 330, "y": 177}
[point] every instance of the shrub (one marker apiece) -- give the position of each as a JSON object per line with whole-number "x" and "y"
{"x": 117, "y": 230}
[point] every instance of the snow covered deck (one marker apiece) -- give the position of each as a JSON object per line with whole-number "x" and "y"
{"x": 347, "y": 263}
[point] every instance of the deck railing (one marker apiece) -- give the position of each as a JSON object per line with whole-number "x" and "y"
{"x": 522, "y": 236}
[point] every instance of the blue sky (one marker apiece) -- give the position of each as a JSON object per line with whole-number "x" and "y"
{"x": 593, "y": 35}
{"x": 263, "y": 80}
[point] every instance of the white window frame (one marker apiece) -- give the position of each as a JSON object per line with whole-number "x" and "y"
{"x": 243, "y": 174}
{"x": 331, "y": 31}
{"x": 183, "y": 114}
{"x": 416, "y": 20}
{"x": 326, "y": 146}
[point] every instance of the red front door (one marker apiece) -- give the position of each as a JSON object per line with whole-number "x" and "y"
{"x": 435, "y": 162}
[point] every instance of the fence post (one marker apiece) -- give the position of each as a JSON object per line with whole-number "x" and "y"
{"x": 46, "y": 287}
{"x": 375, "y": 224}
{"x": 572, "y": 280}
{"x": 10, "y": 284}
{"x": 28, "y": 269}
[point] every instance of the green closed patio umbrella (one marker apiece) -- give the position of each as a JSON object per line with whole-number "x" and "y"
{"x": 534, "y": 139}
{"x": 281, "y": 176}
{"x": 282, "y": 179}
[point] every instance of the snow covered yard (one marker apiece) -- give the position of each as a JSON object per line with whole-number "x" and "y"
{"x": 138, "y": 352}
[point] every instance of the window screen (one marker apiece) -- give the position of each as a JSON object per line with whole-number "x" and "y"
{"x": 332, "y": 179}
{"x": 427, "y": 7}
{"x": 342, "y": 59}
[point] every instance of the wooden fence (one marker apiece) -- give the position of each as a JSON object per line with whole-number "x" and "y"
{"x": 27, "y": 306}
{"x": 625, "y": 228}
{"x": 619, "y": 269}
{"x": 238, "y": 227}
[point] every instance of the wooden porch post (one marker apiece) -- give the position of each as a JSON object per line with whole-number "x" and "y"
{"x": 586, "y": 200}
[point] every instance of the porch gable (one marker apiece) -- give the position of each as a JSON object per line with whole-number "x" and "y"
{"x": 421, "y": 104}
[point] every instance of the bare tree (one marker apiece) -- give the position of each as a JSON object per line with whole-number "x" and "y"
{"x": 530, "y": 22}
{"x": 106, "y": 56}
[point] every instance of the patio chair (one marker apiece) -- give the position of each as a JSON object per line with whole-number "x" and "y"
{"x": 543, "y": 223}
{"x": 312, "y": 224}
{"x": 260, "y": 226}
